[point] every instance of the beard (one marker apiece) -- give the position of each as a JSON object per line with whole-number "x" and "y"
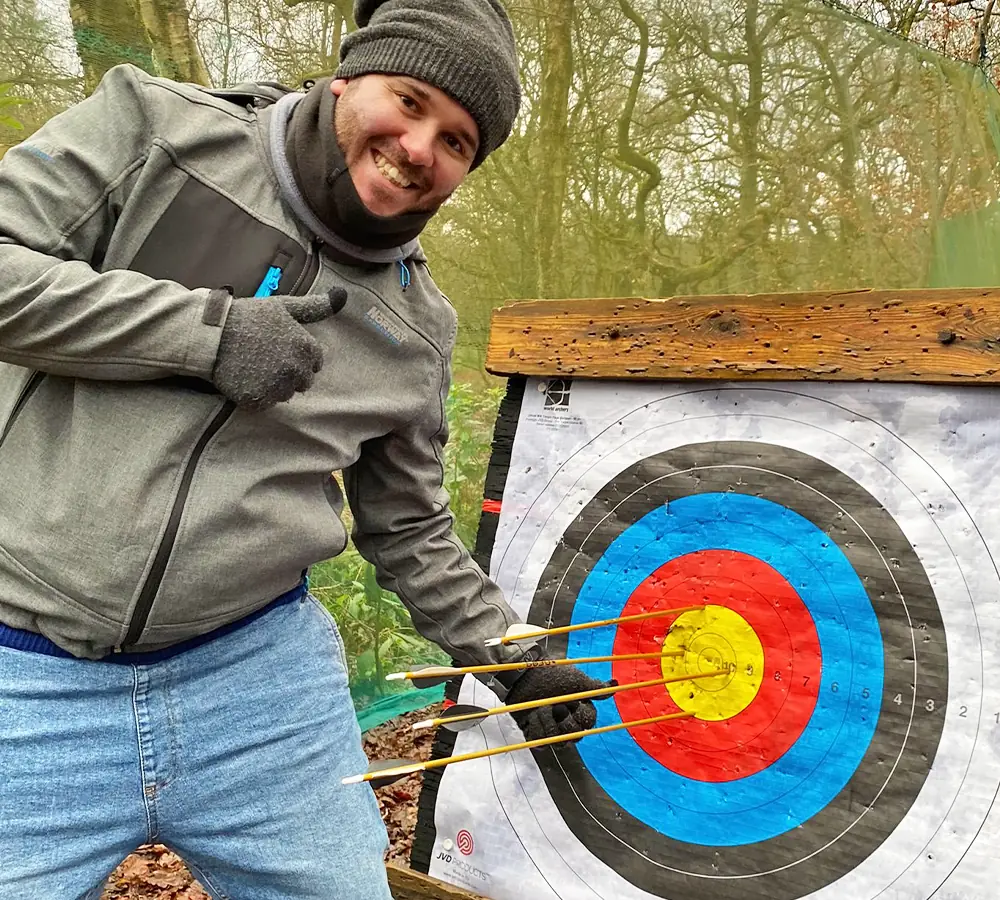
{"x": 355, "y": 143}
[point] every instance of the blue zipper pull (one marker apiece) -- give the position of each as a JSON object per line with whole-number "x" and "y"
{"x": 270, "y": 283}
{"x": 404, "y": 274}
{"x": 273, "y": 277}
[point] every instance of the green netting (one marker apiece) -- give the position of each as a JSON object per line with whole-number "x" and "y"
{"x": 665, "y": 147}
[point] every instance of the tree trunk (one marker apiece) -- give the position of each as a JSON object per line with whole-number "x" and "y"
{"x": 749, "y": 116}
{"x": 107, "y": 33}
{"x": 553, "y": 163}
{"x": 175, "y": 52}
{"x": 342, "y": 24}
{"x": 749, "y": 134}
{"x": 339, "y": 21}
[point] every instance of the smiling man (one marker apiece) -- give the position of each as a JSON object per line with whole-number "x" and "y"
{"x": 211, "y": 301}
{"x": 408, "y": 145}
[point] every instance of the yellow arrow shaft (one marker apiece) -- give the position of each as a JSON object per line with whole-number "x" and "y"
{"x": 526, "y": 745}
{"x": 619, "y": 620}
{"x": 581, "y": 695}
{"x": 441, "y": 671}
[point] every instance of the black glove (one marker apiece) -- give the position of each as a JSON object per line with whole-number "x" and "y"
{"x": 558, "y": 718}
{"x": 265, "y": 355}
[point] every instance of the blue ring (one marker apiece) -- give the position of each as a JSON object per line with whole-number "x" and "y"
{"x": 819, "y": 764}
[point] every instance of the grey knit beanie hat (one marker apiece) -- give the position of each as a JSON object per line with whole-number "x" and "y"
{"x": 462, "y": 47}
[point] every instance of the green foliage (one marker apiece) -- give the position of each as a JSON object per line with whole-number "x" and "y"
{"x": 35, "y": 77}
{"x": 8, "y": 103}
{"x": 472, "y": 412}
{"x": 377, "y": 630}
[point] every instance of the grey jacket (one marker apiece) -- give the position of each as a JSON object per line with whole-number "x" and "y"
{"x": 138, "y": 507}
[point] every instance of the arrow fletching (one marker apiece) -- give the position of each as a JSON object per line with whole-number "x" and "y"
{"x": 426, "y": 681}
{"x": 426, "y": 676}
{"x": 470, "y": 717}
{"x": 385, "y": 772}
{"x": 517, "y": 632}
{"x": 460, "y": 709}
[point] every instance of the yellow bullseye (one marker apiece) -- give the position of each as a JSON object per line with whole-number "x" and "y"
{"x": 714, "y": 637}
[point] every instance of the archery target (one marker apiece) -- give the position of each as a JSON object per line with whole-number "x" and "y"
{"x": 829, "y": 591}
{"x": 794, "y": 769}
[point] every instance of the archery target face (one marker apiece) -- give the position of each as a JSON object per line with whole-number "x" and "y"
{"x": 823, "y": 567}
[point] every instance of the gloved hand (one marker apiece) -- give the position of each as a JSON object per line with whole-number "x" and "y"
{"x": 265, "y": 355}
{"x": 558, "y": 718}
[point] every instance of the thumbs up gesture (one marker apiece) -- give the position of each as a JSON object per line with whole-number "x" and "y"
{"x": 265, "y": 355}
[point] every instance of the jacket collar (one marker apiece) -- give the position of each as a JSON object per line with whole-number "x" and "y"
{"x": 276, "y": 128}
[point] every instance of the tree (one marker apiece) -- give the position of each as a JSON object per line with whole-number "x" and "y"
{"x": 666, "y": 146}
{"x": 282, "y": 40}
{"x": 154, "y": 35}
{"x": 35, "y": 81}
{"x": 175, "y": 53}
{"x": 108, "y": 33}
{"x": 553, "y": 140}
{"x": 960, "y": 28}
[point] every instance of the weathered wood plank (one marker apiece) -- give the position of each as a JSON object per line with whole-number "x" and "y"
{"x": 406, "y": 884}
{"x": 944, "y": 335}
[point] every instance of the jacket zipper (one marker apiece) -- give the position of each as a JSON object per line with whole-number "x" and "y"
{"x": 310, "y": 270}
{"x": 147, "y": 595}
{"x": 149, "y": 590}
{"x": 29, "y": 388}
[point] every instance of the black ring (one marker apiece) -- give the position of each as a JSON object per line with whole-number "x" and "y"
{"x": 886, "y": 783}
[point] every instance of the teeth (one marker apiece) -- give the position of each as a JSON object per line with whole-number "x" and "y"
{"x": 391, "y": 172}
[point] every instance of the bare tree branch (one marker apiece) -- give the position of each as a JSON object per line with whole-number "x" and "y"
{"x": 626, "y": 152}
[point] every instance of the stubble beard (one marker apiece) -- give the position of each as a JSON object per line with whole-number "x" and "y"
{"x": 350, "y": 135}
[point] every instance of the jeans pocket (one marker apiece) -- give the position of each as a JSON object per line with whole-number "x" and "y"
{"x": 332, "y": 624}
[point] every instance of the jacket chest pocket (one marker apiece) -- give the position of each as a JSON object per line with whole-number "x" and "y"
{"x": 204, "y": 240}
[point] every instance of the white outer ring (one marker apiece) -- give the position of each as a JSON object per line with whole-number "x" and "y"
{"x": 950, "y": 809}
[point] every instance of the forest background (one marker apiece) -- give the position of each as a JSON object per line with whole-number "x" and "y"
{"x": 664, "y": 147}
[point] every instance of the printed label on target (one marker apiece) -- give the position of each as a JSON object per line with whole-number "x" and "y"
{"x": 831, "y": 549}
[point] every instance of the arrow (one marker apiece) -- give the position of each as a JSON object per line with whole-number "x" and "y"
{"x": 386, "y": 772}
{"x": 428, "y": 676}
{"x": 462, "y": 716}
{"x": 521, "y": 632}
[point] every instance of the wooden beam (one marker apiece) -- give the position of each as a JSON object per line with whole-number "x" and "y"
{"x": 405, "y": 884}
{"x": 941, "y": 335}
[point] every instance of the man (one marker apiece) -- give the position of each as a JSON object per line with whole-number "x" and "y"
{"x": 206, "y": 308}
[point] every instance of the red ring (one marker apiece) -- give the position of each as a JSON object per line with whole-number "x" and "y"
{"x": 758, "y": 735}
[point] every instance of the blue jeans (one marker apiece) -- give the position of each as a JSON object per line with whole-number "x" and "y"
{"x": 230, "y": 753}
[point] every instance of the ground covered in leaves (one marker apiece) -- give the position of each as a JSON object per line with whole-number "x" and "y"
{"x": 154, "y": 873}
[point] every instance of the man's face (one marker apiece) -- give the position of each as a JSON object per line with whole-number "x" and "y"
{"x": 407, "y": 144}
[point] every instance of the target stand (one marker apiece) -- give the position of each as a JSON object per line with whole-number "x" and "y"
{"x": 814, "y": 478}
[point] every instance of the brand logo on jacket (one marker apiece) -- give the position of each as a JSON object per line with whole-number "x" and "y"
{"x": 384, "y": 324}
{"x": 44, "y": 151}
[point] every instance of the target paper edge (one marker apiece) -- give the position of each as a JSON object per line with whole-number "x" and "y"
{"x": 486, "y": 536}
